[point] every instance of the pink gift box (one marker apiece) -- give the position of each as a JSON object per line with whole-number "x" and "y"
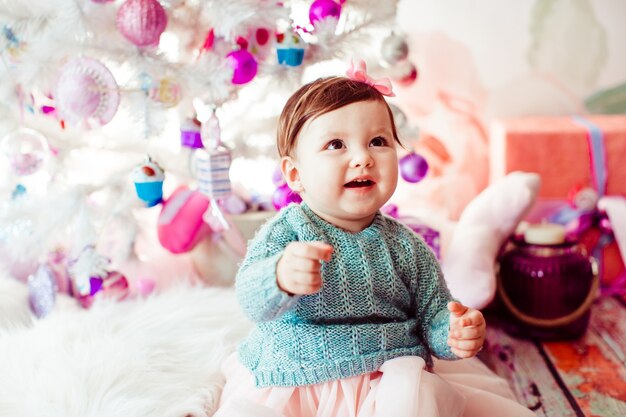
{"x": 557, "y": 149}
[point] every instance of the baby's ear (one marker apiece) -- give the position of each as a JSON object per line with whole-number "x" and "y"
{"x": 290, "y": 173}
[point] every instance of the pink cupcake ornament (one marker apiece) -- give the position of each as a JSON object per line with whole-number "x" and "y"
{"x": 86, "y": 90}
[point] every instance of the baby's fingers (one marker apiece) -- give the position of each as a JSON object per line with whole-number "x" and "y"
{"x": 465, "y": 348}
{"x": 474, "y": 318}
{"x": 464, "y": 354}
{"x": 457, "y": 309}
{"x": 318, "y": 251}
{"x": 469, "y": 332}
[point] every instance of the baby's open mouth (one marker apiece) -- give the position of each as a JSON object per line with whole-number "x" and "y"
{"x": 359, "y": 183}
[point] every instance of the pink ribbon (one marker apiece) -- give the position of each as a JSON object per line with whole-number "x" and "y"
{"x": 358, "y": 72}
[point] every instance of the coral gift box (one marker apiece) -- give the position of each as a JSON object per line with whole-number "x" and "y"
{"x": 558, "y": 150}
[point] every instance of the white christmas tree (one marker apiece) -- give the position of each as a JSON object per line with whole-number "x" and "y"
{"x": 91, "y": 88}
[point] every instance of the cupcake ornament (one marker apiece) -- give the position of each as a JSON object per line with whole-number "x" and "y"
{"x": 148, "y": 178}
{"x": 290, "y": 49}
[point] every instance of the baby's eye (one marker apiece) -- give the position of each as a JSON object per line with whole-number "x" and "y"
{"x": 335, "y": 144}
{"x": 378, "y": 141}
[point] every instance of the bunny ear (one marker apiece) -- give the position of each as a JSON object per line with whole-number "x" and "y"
{"x": 358, "y": 72}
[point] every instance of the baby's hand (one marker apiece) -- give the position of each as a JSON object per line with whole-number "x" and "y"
{"x": 467, "y": 330}
{"x": 298, "y": 270}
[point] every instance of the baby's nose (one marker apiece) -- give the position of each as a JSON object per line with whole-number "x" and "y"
{"x": 361, "y": 158}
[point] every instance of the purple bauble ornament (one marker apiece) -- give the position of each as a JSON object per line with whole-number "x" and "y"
{"x": 233, "y": 204}
{"x": 324, "y": 9}
{"x": 283, "y": 196}
{"x": 42, "y": 291}
{"x": 113, "y": 285}
{"x": 413, "y": 167}
{"x": 244, "y": 66}
{"x": 277, "y": 177}
{"x": 141, "y": 21}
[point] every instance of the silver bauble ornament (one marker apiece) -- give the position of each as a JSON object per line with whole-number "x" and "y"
{"x": 394, "y": 49}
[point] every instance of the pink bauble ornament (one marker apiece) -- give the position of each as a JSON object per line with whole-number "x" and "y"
{"x": 407, "y": 73}
{"x": 283, "y": 196}
{"x": 144, "y": 286}
{"x": 604, "y": 224}
{"x": 324, "y": 9}
{"x": 85, "y": 90}
{"x": 141, "y": 21}
{"x": 244, "y": 66}
{"x": 26, "y": 149}
{"x": 413, "y": 167}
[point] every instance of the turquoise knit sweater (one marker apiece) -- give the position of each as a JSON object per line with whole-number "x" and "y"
{"x": 383, "y": 296}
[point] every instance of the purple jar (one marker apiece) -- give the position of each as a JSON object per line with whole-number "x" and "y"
{"x": 547, "y": 289}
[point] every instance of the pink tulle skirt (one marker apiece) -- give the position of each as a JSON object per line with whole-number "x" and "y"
{"x": 401, "y": 388}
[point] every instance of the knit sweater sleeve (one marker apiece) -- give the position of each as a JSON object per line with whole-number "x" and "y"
{"x": 432, "y": 300}
{"x": 255, "y": 283}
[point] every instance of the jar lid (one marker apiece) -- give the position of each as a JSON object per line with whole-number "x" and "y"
{"x": 545, "y": 234}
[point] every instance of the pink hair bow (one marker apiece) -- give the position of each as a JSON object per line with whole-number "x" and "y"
{"x": 358, "y": 72}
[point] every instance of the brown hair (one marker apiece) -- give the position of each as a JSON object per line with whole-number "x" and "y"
{"x": 319, "y": 97}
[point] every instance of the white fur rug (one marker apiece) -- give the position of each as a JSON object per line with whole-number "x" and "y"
{"x": 155, "y": 357}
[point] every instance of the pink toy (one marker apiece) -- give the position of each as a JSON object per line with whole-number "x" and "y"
{"x": 485, "y": 224}
{"x": 180, "y": 226}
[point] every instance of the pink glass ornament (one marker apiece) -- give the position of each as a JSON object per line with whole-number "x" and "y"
{"x": 86, "y": 89}
{"x": 144, "y": 286}
{"x": 324, "y": 9}
{"x": 408, "y": 74}
{"x": 244, "y": 66}
{"x": 413, "y": 167}
{"x": 283, "y": 196}
{"x": 141, "y": 21}
{"x": 26, "y": 149}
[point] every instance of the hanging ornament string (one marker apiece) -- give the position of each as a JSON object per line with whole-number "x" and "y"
{"x": 146, "y": 83}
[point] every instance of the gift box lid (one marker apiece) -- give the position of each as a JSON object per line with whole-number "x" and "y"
{"x": 557, "y": 149}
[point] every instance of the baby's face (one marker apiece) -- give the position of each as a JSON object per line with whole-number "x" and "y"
{"x": 345, "y": 164}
